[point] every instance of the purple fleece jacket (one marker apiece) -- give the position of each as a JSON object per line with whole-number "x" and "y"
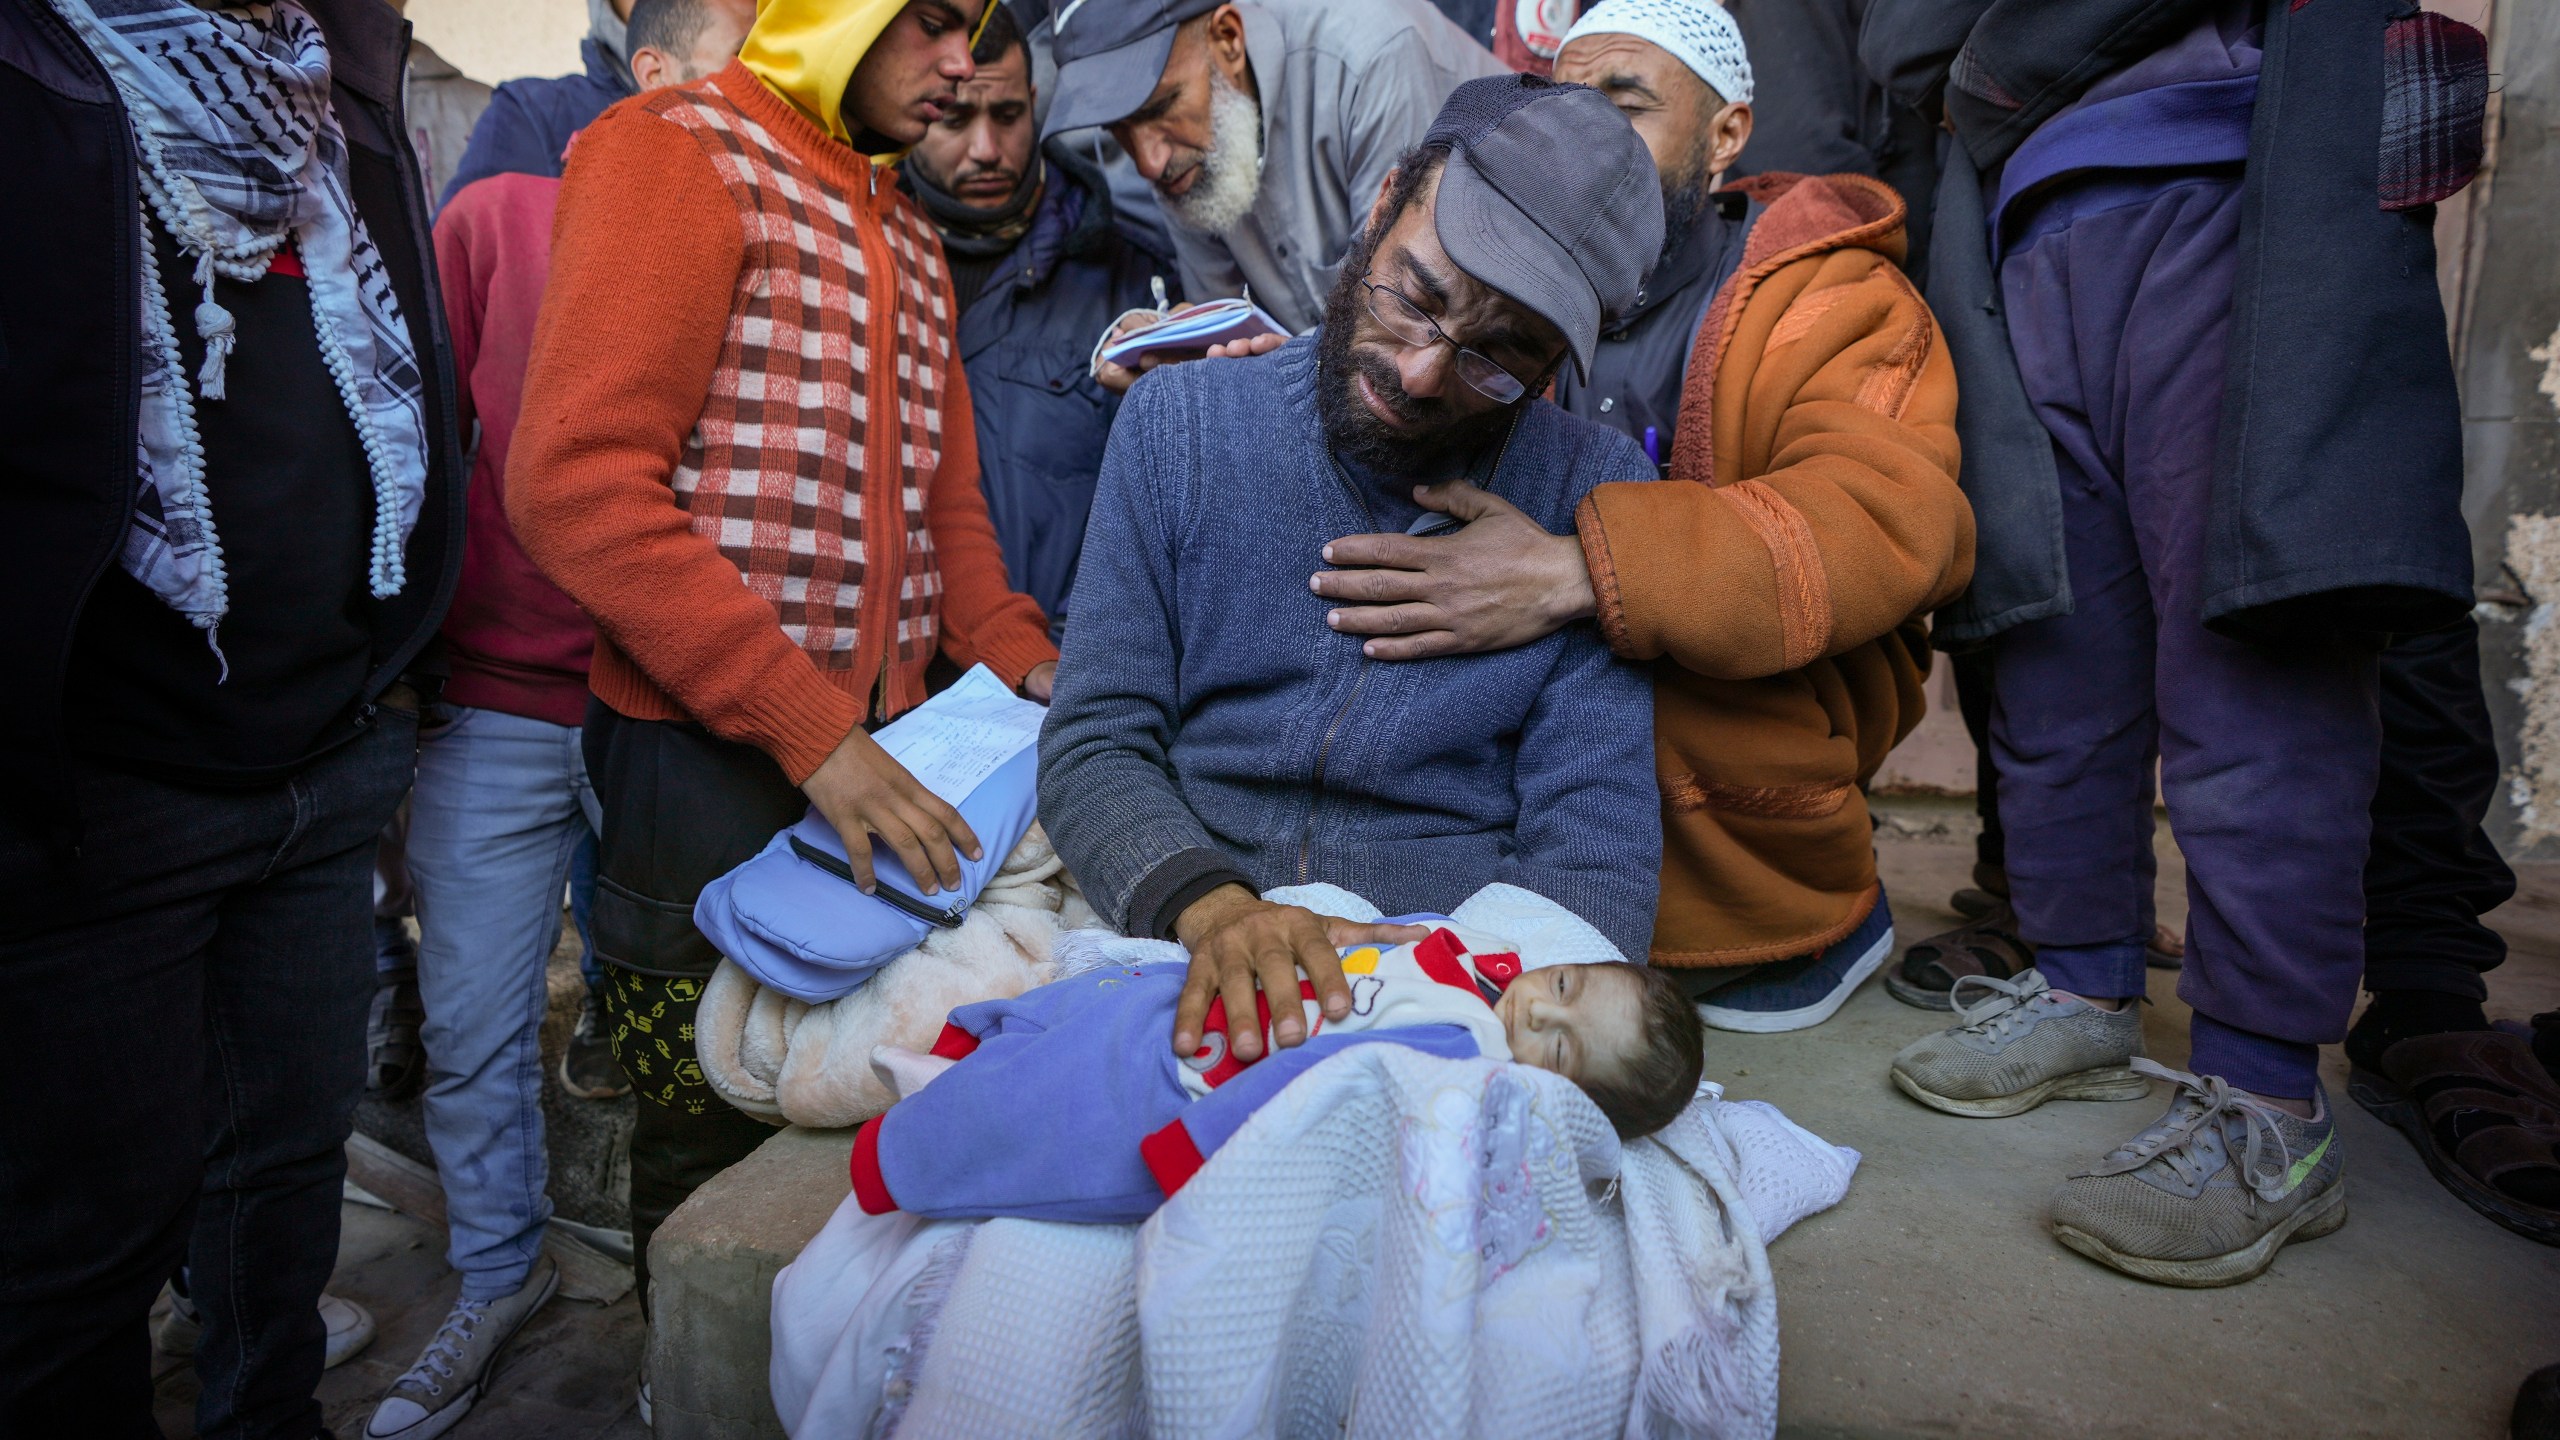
{"x": 1068, "y": 1105}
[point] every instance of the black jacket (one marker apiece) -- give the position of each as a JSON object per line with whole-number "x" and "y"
{"x": 1817, "y": 112}
{"x": 2338, "y": 478}
{"x": 70, "y": 363}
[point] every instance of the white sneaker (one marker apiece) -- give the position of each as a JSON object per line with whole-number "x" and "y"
{"x": 456, "y": 1365}
{"x": 350, "y": 1329}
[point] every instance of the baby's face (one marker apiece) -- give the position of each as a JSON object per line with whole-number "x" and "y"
{"x": 1579, "y": 1021}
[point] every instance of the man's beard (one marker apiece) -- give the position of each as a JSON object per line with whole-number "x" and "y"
{"x": 1685, "y": 202}
{"x": 1230, "y": 169}
{"x": 1440, "y": 438}
{"x": 1683, "y": 207}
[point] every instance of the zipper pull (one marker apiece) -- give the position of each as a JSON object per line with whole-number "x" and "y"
{"x": 942, "y": 917}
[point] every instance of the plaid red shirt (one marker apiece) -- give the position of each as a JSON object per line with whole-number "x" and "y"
{"x": 745, "y": 446}
{"x": 775, "y": 470}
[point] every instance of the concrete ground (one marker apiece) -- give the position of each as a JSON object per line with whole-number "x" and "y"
{"x": 1930, "y": 1303}
{"x": 1933, "y": 1303}
{"x": 569, "y": 1376}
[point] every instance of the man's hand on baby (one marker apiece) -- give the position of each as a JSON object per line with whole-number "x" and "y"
{"x": 863, "y": 791}
{"x": 1238, "y": 940}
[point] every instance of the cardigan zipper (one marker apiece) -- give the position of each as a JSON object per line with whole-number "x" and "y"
{"x": 1359, "y": 677}
{"x": 879, "y": 441}
{"x": 1324, "y": 748}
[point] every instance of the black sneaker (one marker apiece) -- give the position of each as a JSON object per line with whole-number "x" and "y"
{"x": 587, "y": 1067}
{"x": 395, "y": 1060}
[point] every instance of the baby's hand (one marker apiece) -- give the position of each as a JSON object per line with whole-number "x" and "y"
{"x": 906, "y": 1071}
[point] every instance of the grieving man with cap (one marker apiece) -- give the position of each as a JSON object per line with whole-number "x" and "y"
{"x": 1211, "y": 738}
{"x": 1265, "y": 126}
{"x": 1799, "y": 393}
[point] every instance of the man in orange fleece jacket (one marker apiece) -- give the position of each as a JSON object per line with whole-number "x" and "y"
{"x": 745, "y": 448}
{"x": 1780, "y": 592}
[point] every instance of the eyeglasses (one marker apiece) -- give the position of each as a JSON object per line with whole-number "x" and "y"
{"x": 1406, "y": 322}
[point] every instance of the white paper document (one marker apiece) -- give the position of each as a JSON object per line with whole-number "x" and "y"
{"x": 958, "y": 738}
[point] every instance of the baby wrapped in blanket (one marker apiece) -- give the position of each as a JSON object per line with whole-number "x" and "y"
{"x": 1064, "y": 1103}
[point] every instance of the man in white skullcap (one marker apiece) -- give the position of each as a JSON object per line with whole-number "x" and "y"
{"x": 1778, "y": 360}
{"x": 1677, "y": 69}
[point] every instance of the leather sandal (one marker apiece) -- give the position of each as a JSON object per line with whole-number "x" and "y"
{"x": 2166, "y": 951}
{"x": 1988, "y": 945}
{"x": 2484, "y": 1115}
{"x": 1973, "y": 903}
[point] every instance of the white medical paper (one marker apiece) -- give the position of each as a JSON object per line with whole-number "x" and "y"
{"x": 958, "y": 738}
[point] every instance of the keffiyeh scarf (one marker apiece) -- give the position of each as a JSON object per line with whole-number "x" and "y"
{"x": 240, "y": 155}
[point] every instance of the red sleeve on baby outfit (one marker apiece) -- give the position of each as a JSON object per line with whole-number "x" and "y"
{"x": 869, "y": 1187}
{"x": 1171, "y": 1157}
{"x": 954, "y": 1043}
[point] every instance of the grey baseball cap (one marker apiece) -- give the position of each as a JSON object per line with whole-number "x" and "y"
{"x": 1550, "y": 197}
{"x": 1110, "y": 55}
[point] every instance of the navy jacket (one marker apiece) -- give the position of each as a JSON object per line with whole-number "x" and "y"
{"x": 1208, "y": 725}
{"x": 70, "y": 398}
{"x": 2338, "y": 479}
{"x": 1027, "y": 345}
{"x": 1816, "y": 112}
{"x": 527, "y": 126}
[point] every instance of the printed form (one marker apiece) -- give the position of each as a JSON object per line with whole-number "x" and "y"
{"x": 954, "y": 741}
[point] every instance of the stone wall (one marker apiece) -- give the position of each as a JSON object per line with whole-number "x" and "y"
{"x": 2502, "y": 239}
{"x": 495, "y": 40}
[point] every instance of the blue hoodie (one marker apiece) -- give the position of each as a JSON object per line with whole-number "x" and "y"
{"x": 1209, "y": 726}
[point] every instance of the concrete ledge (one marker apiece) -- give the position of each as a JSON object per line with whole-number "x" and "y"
{"x": 711, "y": 1269}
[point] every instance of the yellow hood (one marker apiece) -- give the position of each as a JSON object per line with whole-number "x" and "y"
{"x": 805, "y": 51}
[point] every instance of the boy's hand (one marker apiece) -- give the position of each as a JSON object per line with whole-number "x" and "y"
{"x": 863, "y": 791}
{"x": 1237, "y": 938}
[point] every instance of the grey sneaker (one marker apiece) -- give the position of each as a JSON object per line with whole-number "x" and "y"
{"x": 2017, "y": 1044}
{"x": 2210, "y": 1192}
{"x": 456, "y": 1365}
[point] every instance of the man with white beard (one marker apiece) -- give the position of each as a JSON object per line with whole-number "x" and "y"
{"x": 1267, "y": 128}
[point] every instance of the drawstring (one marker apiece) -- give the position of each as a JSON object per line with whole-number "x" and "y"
{"x": 216, "y": 328}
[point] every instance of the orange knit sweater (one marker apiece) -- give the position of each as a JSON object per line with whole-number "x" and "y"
{"x": 745, "y": 446}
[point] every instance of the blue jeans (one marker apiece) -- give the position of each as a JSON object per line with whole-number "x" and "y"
{"x": 186, "y": 1053}
{"x": 500, "y": 817}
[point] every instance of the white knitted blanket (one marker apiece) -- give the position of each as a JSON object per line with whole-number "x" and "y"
{"x": 1397, "y": 1246}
